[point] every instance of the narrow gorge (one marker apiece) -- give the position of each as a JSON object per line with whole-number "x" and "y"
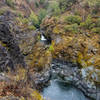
{"x": 49, "y": 49}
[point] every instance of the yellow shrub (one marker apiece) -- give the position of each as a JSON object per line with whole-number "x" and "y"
{"x": 36, "y": 95}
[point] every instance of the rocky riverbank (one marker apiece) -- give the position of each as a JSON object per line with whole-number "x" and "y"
{"x": 69, "y": 73}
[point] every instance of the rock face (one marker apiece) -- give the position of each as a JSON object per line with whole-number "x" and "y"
{"x": 10, "y": 51}
{"x": 71, "y": 74}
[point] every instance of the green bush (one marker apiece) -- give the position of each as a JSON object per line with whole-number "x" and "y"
{"x": 72, "y": 19}
{"x": 34, "y": 19}
{"x": 51, "y": 48}
{"x": 42, "y": 1}
{"x": 88, "y": 24}
{"x": 64, "y": 4}
{"x": 10, "y": 3}
{"x": 19, "y": 15}
{"x": 2, "y": 12}
{"x": 31, "y": 27}
{"x": 96, "y": 30}
{"x": 74, "y": 28}
{"x": 42, "y": 15}
{"x": 25, "y": 21}
{"x": 54, "y": 9}
{"x": 98, "y": 22}
{"x": 37, "y": 4}
{"x": 94, "y": 5}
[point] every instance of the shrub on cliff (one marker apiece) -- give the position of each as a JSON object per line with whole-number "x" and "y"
{"x": 72, "y": 19}
{"x": 94, "y": 5}
{"x": 53, "y": 8}
{"x": 64, "y": 4}
{"x": 10, "y": 3}
{"x": 2, "y": 12}
{"x": 72, "y": 28}
{"x": 31, "y": 27}
{"x": 96, "y": 30}
{"x": 88, "y": 24}
{"x": 42, "y": 1}
{"x": 37, "y": 4}
{"x": 92, "y": 2}
{"x": 98, "y": 22}
{"x": 42, "y": 15}
{"x": 34, "y": 19}
{"x": 96, "y": 8}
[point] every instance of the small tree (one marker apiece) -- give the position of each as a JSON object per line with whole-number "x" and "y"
{"x": 34, "y": 19}
{"x": 64, "y": 4}
{"x": 72, "y": 19}
{"x": 10, "y": 3}
{"x": 53, "y": 8}
{"x": 42, "y": 15}
{"x": 88, "y": 24}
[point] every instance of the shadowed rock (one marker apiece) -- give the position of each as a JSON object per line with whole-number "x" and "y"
{"x": 12, "y": 49}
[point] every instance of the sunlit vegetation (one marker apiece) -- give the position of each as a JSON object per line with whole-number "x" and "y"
{"x": 31, "y": 27}
{"x": 2, "y": 12}
{"x": 34, "y": 19}
{"x": 88, "y": 24}
{"x": 74, "y": 28}
{"x": 96, "y": 30}
{"x": 31, "y": 22}
{"x": 72, "y": 19}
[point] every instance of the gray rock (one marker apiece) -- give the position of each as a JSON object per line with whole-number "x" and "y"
{"x": 72, "y": 75}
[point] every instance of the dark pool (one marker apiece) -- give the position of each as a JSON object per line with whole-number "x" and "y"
{"x": 60, "y": 91}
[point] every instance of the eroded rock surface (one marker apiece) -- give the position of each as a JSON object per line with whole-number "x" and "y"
{"x": 9, "y": 47}
{"x": 69, "y": 73}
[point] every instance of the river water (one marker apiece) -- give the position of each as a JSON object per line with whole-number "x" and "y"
{"x": 58, "y": 90}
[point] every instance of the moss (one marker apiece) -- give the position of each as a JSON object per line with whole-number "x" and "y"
{"x": 51, "y": 48}
{"x": 2, "y": 12}
{"x": 25, "y": 21}
{"x": 57, "y": 29}
{"x": 31, "y": 27}
{"x": 72, "y": 19}
{"x": 39, "y": 37}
